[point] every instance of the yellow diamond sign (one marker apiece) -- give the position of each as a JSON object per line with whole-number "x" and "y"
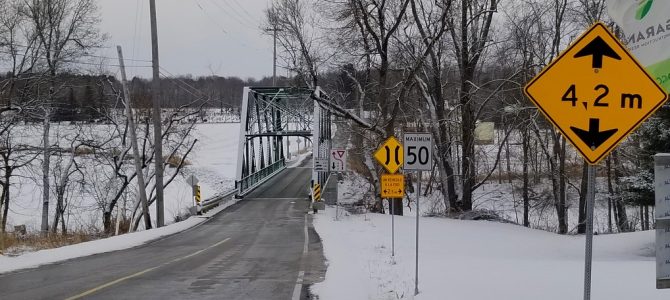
{"x": 595, "y": 93}
{"x": 390, "y": 155}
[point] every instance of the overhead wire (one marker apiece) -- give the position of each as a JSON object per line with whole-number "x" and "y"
{"x": 243, "y": 9}
{"x": 83, "y": 54}
{"x": 235, "y": 15}
{"x": 138, "y": 26}
{"x": 193, "y": 90}
{"x": 73, "y": 61}
{"x": 209, "y": 17}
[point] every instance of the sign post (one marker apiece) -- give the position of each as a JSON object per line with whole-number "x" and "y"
{"x": 392, "y": 188}
{"x": 419, "y": 151}
{"x": 390, "y": 156}
{"x": 590, "y": 201}
{"x": 584, "y": 95}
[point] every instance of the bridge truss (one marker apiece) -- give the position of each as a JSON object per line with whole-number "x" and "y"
{"x": 270, "y": 116}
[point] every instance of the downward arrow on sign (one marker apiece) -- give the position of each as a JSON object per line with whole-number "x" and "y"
{"x": 594, "y": 137}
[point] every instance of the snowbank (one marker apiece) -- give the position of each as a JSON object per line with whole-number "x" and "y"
{"x": 477, "y": 260}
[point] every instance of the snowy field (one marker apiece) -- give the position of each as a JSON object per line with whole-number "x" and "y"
{"x": 477, "y": 260}
{"x": 213, "y": 161}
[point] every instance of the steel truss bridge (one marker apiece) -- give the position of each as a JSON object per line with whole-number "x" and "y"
{"x": 269, "y": 117}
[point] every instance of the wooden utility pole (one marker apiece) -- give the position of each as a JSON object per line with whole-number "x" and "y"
{"x": 158, "y": 135}
{"x": 133, "y": 141}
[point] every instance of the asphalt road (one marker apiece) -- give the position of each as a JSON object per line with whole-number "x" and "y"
{"x": 255, "y": 249}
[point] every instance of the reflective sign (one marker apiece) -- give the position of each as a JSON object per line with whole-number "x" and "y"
{"x": 390, "y": 155}
{"x": 393, "y": 186}
{"x": 596, "y": 93}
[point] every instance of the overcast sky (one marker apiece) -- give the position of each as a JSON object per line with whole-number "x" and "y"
{"x": 197, "y": 37}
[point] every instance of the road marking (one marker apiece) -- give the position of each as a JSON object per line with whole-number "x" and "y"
{"x": 301, "y": 275}
{"x": 140, "y": 273}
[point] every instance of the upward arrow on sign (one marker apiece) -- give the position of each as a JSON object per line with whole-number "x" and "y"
{"x": 595, "y": 81}
{"x": 597, "y": 49}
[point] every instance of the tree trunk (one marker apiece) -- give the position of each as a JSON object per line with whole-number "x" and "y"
{"x": 468, "y": 143}
{"x": 526, "y": 199}
{"x": 622, "y": 222}
{"x": 581, "y": 226}
{"x": 46, "y": 165}
{"x": 610, "y": 193}
{"x": 4, "y": 201}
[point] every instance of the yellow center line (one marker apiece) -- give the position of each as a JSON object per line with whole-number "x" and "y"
{"x": 140, "y": 273}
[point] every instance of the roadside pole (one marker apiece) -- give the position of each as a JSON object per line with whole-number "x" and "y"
{"x": 418, "y": 198}
{"x": 141, "y": 187}
{"x": 392, "y": 203}
{"x": 590, "y": 201}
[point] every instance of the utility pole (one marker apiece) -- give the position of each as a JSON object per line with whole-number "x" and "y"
{"x": 158, "y": 140}
{"x": 274, "y": 30}
{"x": 136, "y": 150}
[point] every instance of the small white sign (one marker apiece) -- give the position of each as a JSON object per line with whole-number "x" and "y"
{"x": 418, "y": 151}
{"x": 321, "y": 164}
{"x": 338, "y": 160}
{"x": 192, "y": 180}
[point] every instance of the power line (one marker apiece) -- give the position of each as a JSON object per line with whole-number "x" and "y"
{"x": 243, "y": 9}
{"x": 71, "y": 61}
{"x": 235, "y": 14}
{"x": 84, "y": 54}
{"x": 193, "y": 90}
{"x": 209, "y": 17}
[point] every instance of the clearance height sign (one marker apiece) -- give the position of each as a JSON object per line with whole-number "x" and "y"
{"x": 596, "y": 93}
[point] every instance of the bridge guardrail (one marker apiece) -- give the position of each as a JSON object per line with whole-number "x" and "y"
{"x": 210, "y": 203}
{"x": 250, "y": 182}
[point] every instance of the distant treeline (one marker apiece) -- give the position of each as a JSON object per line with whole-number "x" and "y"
{"x": 88, "y": 97}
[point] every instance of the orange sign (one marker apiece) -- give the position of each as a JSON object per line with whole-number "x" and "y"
{"x": 390, "y": 155}
{"x": 393, "y": 186}
{"x": 596, "y": 93}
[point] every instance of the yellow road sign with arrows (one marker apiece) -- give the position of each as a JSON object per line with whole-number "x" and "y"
{"x": 596, "y": 93}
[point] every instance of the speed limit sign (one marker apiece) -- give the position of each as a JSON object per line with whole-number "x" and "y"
{"x": 418, "y": 151}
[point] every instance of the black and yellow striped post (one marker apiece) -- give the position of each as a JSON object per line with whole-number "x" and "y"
{"x": 317, "y": 202}
{"x": 197, "y": 194}
{"x": 316, "y": 192}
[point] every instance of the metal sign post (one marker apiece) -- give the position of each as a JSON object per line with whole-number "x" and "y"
{"x": 392, "y": 202}
{"x": 416, "y": 269}
{"x": 419, "y": 152}
{"x": 590, "y": 202}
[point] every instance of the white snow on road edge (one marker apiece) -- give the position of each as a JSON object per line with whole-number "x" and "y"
{"x": 126, "y": 241}
{"x": 477, "y": 260}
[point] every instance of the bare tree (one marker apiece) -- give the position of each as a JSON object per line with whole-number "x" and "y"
{"x": 432, "y": 22}
{"x": 470, "y": 31}
{"x": 65, "y": 30}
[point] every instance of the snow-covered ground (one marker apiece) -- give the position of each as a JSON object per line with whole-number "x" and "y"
{"x": 42, "y": 257}
{"x": 477, "y": 260}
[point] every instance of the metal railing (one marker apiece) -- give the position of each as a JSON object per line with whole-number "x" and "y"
{"x": 215, "y": 201}
{"x": 248, "y": 183}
